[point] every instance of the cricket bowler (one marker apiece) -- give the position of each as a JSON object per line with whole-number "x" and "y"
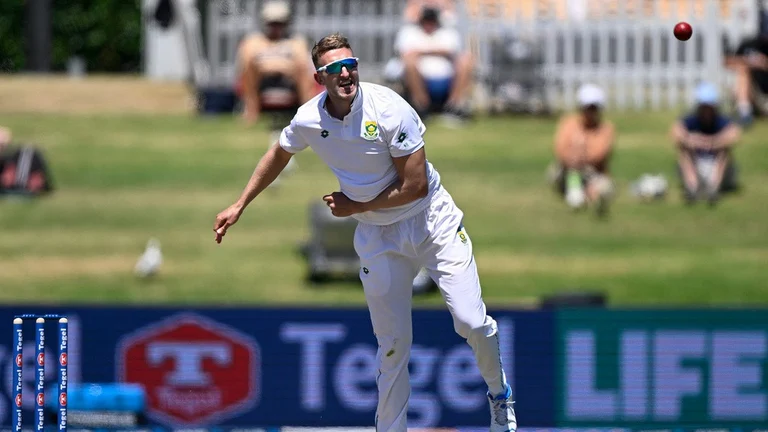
{"x": 373, "y": 142}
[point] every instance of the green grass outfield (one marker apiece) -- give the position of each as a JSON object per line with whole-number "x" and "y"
{"x": 122, "y": 179}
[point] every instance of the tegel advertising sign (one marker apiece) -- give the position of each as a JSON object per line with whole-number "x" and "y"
{"x": 194, "y": 370}
{"x": 336, "y": 370}
{"x": 28, "y": 363}
{"x": 250, "y": 368}
{"x": 627, "y": 368}
{"x": 309, "y": 367}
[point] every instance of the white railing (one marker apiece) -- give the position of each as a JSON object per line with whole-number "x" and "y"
{"x": 625, "y": 45}
{"x": 370, "y": 26}
{"x": 631, "y": 52}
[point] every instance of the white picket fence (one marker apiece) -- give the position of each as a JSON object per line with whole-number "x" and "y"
{"x": 632, "y": 54}
{"x": 370, "y": 26}
{"x": 636, "y": 58}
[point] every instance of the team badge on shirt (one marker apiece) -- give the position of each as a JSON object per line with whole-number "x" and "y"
{"x": 462, "y": 234}
{"x": 370, "y": 130}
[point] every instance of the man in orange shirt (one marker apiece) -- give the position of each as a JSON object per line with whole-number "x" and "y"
{"x": 275, "y": 67}
{"x": 583, "y": 146}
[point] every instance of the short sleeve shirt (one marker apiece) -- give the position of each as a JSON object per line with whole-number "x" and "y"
{"x": 359, "y": 149}
{"x": 693, "y": 124}
{"x": 443, "y": 39}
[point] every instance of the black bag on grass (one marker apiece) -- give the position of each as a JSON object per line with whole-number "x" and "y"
{"x": 24, "y": 171}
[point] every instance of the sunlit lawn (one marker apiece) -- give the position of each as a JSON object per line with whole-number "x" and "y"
{"x": 122, "y": 179}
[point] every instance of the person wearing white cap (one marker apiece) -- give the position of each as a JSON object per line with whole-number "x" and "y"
{"x": 704, "y": 140}
{"x": 583, "y": 147}
{"x": 274, "y": 67}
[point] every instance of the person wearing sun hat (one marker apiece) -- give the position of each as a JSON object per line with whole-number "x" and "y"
{"x": 704, "y": 140}
{"x": 274, "y": 66}
{"x": 583, "y": 146}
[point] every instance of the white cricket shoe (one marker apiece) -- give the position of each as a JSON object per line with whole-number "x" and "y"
{"x": 502, "y": 414}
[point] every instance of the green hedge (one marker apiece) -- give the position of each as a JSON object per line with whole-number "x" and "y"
{"x": 106, "y": 33}
{"x": 11, "y": 36}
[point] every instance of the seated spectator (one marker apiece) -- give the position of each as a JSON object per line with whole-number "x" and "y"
{"x": 435, "y": 71}
{"x": 704, "y": 141}
{"x": 583, "y": 146}
{"x": 447, "y": 9}
{"x": 23, "y": 169}
{"x": 750, "y": 65}
{"x": 275, "y": 67}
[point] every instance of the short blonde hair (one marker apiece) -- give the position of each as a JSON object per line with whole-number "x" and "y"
{"x": 328, "y": 43}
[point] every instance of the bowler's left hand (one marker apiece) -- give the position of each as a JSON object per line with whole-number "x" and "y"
{"x": 341, "y": 205}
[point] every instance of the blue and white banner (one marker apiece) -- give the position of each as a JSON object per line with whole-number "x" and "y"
{"x": 285, "y": 367}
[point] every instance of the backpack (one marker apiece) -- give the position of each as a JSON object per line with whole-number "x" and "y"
{"x": 23, "y": 171}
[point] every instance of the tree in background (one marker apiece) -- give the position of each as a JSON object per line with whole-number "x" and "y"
{"x": 11, "y": 36}
{"x": 105, "y": 33}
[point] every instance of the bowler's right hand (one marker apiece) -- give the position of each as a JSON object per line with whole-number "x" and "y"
{"x": 226, "y": 219}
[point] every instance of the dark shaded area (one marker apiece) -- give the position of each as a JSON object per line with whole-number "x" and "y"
{"x": 105, "y": 33}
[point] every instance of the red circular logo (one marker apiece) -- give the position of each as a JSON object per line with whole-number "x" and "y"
{"x": 41, "y": 359}
{"x": 63, "y": 399}
{"x": 40, "y": 399}
{"x": 18, "y": 400}
{"x": 63, "y": 359}
{"x": 19, "y": 361}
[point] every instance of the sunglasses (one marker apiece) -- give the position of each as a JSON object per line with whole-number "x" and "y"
{"x": 335, "y": 67}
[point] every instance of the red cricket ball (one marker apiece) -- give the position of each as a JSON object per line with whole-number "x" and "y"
{"x": 683, "y": 31}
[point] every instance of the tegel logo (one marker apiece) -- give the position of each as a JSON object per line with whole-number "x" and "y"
{"x": 194, "y": 370}
{"x": 444, "y": 377}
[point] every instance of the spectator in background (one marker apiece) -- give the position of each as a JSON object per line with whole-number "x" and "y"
{"x": 5, "y": 139}
{"x": 704, "y": 141}
{"x": 583, "y": 147}
{"x": 435, "y": 69}
{"x": 23, "y": 169}
{"x": 447, "y": 8}
{"x": 275, "y": 67}
{"x": 750, "y": 65}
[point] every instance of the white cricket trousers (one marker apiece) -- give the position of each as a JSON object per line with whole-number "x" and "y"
{"x": 390, "y": 257}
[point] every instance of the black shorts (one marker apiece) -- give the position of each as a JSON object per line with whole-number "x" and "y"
{"x": 282, "y": 112}
{"x": 276, "y": 81}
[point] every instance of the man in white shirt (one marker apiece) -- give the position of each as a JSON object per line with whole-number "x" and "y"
{"x": 435, "y": 68}
{"x": 373, "y": 142}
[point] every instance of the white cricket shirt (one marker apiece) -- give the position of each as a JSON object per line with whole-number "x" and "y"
{"x": 360, "y": 148}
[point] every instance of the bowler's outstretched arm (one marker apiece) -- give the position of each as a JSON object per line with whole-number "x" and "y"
{"x": 267, "y": 170}
{"x": 269, "y": 167}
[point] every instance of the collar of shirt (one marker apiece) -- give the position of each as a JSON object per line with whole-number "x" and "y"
{"x": 357, "y": 105}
